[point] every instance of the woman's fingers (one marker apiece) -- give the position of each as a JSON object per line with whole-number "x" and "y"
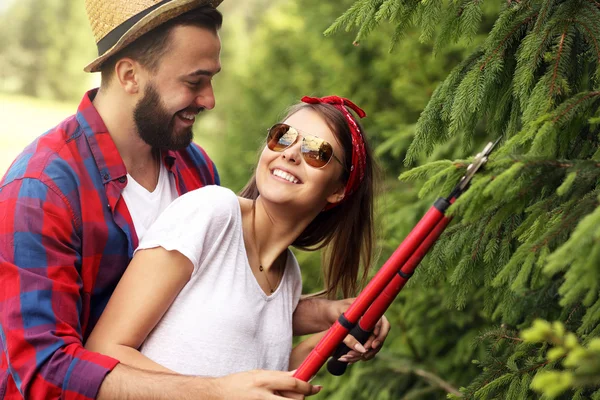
{"x": 384, "y": 329}
{"x": 354, "y": 344}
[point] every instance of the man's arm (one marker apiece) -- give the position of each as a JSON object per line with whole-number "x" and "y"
{"x": 40, "y": 296}
{"x": 130, "y": 383}
{"x": 40, "y": 327}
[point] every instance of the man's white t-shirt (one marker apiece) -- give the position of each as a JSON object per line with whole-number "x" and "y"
{"x": 144, "y": 206}
{"x": 221, "y": 322}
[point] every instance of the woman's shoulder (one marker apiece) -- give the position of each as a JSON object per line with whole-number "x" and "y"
{"x": 212, "y": 194}
{"x": 292, "y": 265}
{"x": 213, "y": 201}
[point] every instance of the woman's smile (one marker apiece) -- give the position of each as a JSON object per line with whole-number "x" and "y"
{"x": 285, "y": 176}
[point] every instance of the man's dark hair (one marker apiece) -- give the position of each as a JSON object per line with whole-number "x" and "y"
{"x": 150, "y": 47}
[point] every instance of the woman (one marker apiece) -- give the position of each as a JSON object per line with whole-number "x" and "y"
{"x": 212, "y": 287}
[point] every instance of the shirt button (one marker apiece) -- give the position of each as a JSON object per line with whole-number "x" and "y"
{"x": 105, "y": 177}
{"x": 122, "y": 179}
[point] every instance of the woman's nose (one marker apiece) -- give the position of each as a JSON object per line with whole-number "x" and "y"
{"x": 293, "y": 153}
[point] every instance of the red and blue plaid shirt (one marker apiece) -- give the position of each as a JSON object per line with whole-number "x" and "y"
{"x": 66, "y": 237}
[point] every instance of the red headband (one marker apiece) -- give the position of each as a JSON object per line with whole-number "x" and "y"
{"x": 357, "y": 170}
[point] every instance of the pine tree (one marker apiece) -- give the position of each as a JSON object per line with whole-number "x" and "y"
{"x": 526, "y": 241}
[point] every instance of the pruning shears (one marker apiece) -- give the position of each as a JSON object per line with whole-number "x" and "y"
{"x": 364, "y": 312}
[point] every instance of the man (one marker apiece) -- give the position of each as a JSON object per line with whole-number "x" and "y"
{"x": 74, "y": 204}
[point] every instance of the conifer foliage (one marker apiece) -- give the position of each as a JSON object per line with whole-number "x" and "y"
{"x": 525, "y": 244}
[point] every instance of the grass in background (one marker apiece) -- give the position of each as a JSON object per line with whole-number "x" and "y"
{"x": 23, "y": 120}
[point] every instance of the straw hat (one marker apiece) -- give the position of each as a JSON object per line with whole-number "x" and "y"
{"x": 117, "y": 23}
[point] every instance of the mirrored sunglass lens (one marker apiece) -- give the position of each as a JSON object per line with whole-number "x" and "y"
{"x": 316, "y": 151}
{"x": 281, "y": 137}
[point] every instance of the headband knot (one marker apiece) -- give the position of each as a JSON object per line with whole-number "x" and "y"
{"x": 357, "y": 170}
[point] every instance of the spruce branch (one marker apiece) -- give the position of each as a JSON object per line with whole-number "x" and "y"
{"x": 558, "y": 55}
{"x": 502, "y": 43}
{"x": 575, "y": 104}
{"x": 567, "y": 226}
{"x": 595, "y": 3}
{"x": 437, "y": 381}
{"x": 480, "y": 239}
{"x": 511, "y": 338}
{"x": 590, "y": 35}
{"x": 581, "y": 364}
{"x": 542, "y": 16}
{"x": 428, "y": 376}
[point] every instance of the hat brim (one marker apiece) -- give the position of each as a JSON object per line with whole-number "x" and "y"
{"x": 154, "y": 19}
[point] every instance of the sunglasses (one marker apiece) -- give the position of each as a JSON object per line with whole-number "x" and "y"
{"x": 316, "y": 152}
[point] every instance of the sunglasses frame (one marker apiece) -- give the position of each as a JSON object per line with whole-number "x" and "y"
{"x": 300, "y": 134}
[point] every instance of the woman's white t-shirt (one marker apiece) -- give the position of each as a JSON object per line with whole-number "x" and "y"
{"x": 221, "y": 322}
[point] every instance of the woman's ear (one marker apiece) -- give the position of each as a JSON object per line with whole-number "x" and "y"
{"x": 336, "y": 196}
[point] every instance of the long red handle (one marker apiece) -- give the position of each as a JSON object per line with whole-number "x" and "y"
{"x": 387, "y": 296}
{"x": 368, "y": 321}
{"x": 338, "y": 331}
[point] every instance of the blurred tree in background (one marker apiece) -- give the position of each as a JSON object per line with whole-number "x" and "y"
{"x": 524, "y": 244}
{"x": 44, "y": 45}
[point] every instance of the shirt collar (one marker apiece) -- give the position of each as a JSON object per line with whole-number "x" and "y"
{"x": 105, "y": 153}
{"x": 169, "y": 158}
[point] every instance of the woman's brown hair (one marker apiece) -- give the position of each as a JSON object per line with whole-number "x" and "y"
{"x": 345, "y": 231}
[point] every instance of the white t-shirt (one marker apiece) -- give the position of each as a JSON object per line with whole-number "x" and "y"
{"x": 144, "y": 206}
{"x": 221, "y": 322}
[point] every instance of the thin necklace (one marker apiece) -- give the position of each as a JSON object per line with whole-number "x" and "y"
{"x": 260, "y": 267}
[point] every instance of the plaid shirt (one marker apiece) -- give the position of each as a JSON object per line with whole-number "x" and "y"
{"x": 66, "y": 237}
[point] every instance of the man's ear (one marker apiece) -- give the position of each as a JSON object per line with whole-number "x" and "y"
{"x": 127, "y": 72}
{"x": 336, "y": 196}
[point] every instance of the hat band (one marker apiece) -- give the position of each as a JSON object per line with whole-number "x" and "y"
{"x": 108, "y": 41}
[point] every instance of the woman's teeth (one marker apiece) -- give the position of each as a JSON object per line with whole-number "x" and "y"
{"x": 285, "y": 175}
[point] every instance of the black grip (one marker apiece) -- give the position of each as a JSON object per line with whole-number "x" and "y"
{"x": 337, "y": 367}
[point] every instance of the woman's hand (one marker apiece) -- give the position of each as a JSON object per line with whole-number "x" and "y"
{"x": 316, "y": 314}
{"x": 371, "y": 347}
{"x": 264, "y": 385}
{"x": 373, "y": 344}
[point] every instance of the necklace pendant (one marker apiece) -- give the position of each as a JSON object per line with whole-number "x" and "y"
{"x": 272, "y": 291}
{"x": 260, "y": 268}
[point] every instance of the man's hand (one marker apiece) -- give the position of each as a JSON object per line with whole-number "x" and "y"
{"x": 268, "y": 385}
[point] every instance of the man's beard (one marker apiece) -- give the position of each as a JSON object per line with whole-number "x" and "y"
{"x": 155, "y": 126}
